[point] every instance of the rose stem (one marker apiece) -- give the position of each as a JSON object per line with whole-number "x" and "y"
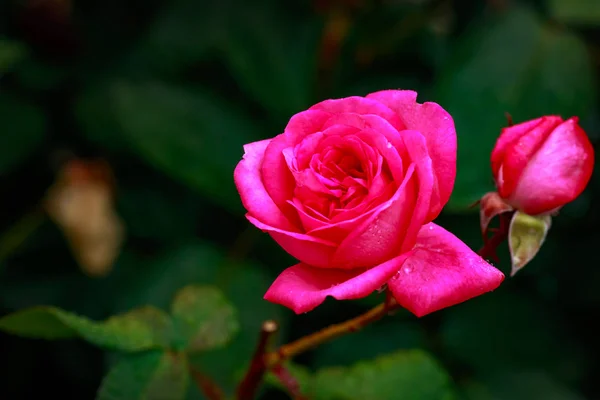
{"x": 253, "y": 378}
{"x": 206, "y": 385}
{"x": 331, "y": 332}
{"x": 489, "y": 248}
{"x": 288, "y": 381}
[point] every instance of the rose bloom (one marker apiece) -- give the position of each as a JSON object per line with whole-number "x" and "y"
{"x": 542, "y": 164}
{"x": 350, "y": 189}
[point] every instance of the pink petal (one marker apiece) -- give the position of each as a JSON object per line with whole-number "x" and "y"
{"x": 278, "y": 180}
{"x": 438, "y": 128}
{"x": 416, "y": 146}
{"x": 377, "y": 132}
{"x": 249, "y": 184}
{"x": 304, "y": 123}
{"x": 519, "y": 153}
{"x": 361, "y": 106}
{"x": 441, "y": 272}
{"x": 302, "y": 287}
{"x": 380, "y": 236}
{"x": 308, "y": 249}
{"x": 393, "y": 227}
{"x": 507, "y": 137}
{"x": 557, "y": 173}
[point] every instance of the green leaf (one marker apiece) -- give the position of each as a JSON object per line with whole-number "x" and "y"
{"x": 152, "y": 375}
{"x": 11, "y": 53}
{"x": 23, "y": 129}
{"x": 512, "y": 64}
{"x": 405, "y": 374}
{"x": 580, "y": 12}
{"x": 244, "y": 284}
{"x": 187, "y": 133}
{"x": 141, "y": 329}
{"x": 203, "y": 318}
{"x": 272, "y": 55}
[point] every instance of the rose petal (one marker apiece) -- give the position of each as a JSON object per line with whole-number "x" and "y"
{"x": 441, "y": 272}
{"x": 507, "y": 137}
{"x": 308, "y": 249}
{"x": 278, "y": 180}
{"x": 302, "y": 287}
{"x": 438, "y": 128}
{"x": 249, "y": 184}
{"x": 379, "y": 134}
{"x": 380, "y": 236}
{"x": 416, "y": 147}
{"x": 557, "y": 173}
{"x": 519, "y": 153}
{"x": 360, "y": 106}
{"x": 304, "y": 123}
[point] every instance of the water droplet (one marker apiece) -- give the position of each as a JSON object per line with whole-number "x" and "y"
{"x": 389, "y": 145}
{"x": 407, "y": 270}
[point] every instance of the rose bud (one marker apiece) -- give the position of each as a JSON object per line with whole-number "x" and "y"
{"x": 542, "y": 164}
{"x": 350, "y": 189}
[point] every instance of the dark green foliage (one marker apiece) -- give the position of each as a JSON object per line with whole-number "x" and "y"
{"x": 167, "y": 92}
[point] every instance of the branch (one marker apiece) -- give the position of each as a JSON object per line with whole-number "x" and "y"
{"x": 207, "y": 386}
{"x": 254, "y": 376}
{"x": 500, "y": 235}
{"x": 288, "y": 381}
{"x": 305, "y": 343}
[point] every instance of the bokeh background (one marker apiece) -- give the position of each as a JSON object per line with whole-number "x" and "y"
{"x": 121, "y": 123}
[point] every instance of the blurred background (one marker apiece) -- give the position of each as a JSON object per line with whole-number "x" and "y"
{"x": 121, "y": 124}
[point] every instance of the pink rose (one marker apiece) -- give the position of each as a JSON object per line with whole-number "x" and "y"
{"x": 349, "y": 189}
{"x": 542, "y": 164}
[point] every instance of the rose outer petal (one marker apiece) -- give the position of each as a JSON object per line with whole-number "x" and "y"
{"x": 249, "y": 184}
{"x": 507, "y": 137}
{"x": 557, "y": 173}
{"x": 302, "y": 287}
{"x": 438, "y": 128}
{"x": 308, "y": 249}
{"x": 278, "y": 180}
{"x": 441, "y": 272}
{"x": 519, "y": 153}
{"x": 361, "y": 106}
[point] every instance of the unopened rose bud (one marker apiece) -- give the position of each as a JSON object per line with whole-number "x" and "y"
{"x": 542, "y": 164}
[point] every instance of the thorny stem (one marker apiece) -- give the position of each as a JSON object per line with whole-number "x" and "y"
{"x": 305, "y": 343}
{"x": 207, "y": 386}
{"x": 488, "y": 251}
{"x": 254, "y": 376}
{"x": 264, "y": 360}
{"x": 288, "y": 381}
